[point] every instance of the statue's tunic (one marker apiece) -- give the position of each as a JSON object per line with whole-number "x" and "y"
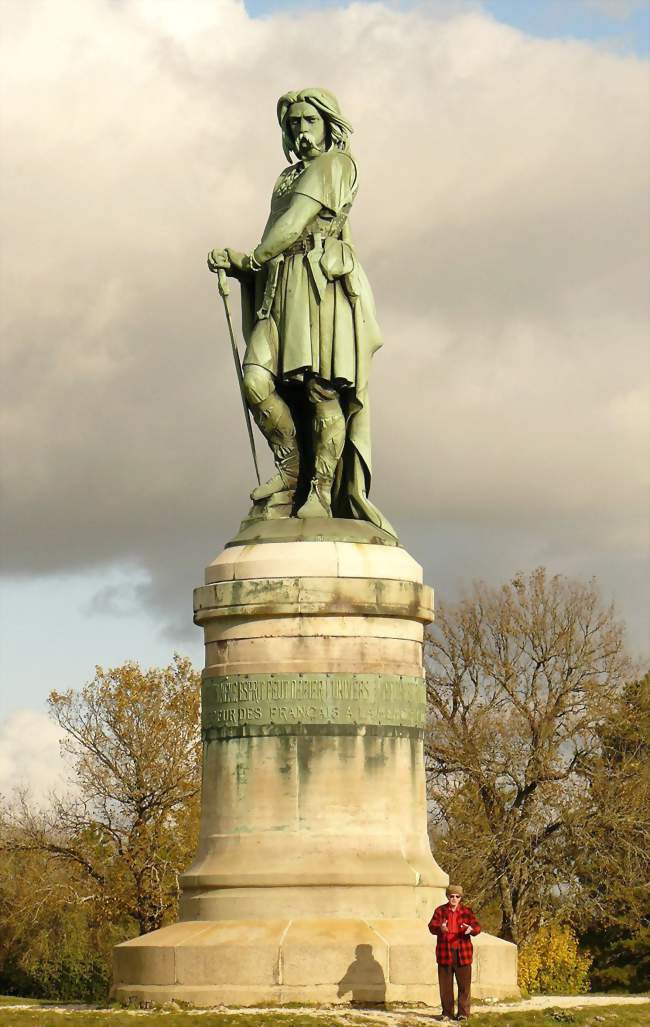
{"x": 311, "y": 311}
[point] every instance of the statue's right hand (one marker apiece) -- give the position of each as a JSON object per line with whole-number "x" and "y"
{"x": 218, "y": 260}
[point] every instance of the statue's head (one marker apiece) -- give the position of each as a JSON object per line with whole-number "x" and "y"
{"x": 311, "y": 122}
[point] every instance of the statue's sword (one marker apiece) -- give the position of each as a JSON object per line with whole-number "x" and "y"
{"x": 224, "y": 290}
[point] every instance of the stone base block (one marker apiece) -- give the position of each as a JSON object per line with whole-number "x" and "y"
{"x": 494, "y": 971}
{"x": 245, "y": 962}
{"x": 248, "y": 962}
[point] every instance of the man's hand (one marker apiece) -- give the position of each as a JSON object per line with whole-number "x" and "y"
{"x": 230, "y": 261}
{"x": 443, "y": 926}
{"x": 468, "y": 929}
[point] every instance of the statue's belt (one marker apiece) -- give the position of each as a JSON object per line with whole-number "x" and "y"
{"x": 306, "y": 243}
{"x": 311, "y": 246}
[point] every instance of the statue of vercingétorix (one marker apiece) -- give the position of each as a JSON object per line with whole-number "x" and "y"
{"x": 309, "y": 323}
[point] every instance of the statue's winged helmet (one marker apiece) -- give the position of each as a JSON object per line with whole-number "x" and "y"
{"x": 338, "y": 127}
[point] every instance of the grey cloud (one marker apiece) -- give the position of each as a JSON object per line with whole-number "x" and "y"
{"x": 502, "y": 219}
{"x": 123, "y": 600}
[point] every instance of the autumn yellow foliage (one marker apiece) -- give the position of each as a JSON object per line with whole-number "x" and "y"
{"x": 101, "y": 862}
{"x": 551, "y": 962}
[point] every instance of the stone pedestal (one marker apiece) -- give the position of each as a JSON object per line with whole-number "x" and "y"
{"x": 313, "y": 880}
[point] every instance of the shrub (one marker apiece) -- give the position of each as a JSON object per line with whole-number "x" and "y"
{"x": 550, "y": 962}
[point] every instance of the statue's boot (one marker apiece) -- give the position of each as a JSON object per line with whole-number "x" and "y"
{"x": 329, "y": 440}
{"x": 274, "y": 420}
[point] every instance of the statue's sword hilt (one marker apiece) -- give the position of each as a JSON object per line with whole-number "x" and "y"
{"x": 224, "y": 290}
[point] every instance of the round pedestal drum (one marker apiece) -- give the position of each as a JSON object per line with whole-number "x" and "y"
{"x": 313, "y": 879}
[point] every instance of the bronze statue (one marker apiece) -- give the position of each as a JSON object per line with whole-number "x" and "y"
{"x": 309, "y": 322}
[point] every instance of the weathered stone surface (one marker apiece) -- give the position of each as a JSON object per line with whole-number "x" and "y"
{"x": 354, "y": 561}
{"x": 494, "y": 973}
{"x": 310, "y": 959}
{"x": 254, "y": 597}
{"x": 301, "y": 653}
{"x": 313, "y": 878}
{"x": 231, "y": 702}
{"x": 313, "y": 559}
{"x": 226, "y": 954}
{"x": 151, "y": 958}
{"x": 315, "y": 901}
{"x": 226, "y": 628}
{"x": 303, "y": 959}
{"x": 410, "y": 946}
{"x": 281, "y": 810}
{"x": 275, "y": 560}
{"x": 320, "y": 951}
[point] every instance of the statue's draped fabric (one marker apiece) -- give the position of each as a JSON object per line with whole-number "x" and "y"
{"x": 311, "y": 312}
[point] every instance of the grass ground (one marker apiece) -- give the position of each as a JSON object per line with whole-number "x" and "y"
{"x": 49, "y": 1015}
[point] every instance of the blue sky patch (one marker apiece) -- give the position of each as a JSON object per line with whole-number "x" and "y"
{"x": 622, "y": 25}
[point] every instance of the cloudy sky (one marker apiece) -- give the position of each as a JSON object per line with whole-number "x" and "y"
{"x": 503, "y": 221}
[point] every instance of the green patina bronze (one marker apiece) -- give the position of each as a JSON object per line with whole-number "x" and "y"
{"x": 309, "y": 324}
{"x": 314, "y": 529}
{"x": 263, "y": 701}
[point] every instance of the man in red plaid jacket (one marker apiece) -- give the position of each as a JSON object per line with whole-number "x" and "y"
{"x": 454, "y": 925}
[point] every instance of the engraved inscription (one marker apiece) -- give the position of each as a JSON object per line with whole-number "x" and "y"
{"x": 263, "y": 699}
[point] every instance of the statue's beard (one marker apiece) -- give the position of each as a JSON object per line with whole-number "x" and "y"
{"x": 306, "y": 144}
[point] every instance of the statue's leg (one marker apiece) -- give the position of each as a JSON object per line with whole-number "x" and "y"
{"x": 273, "y": 418}
{"x": 329, "y": 440}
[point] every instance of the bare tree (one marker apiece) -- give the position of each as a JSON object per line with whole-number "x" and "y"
{"x": 521, "y": 680}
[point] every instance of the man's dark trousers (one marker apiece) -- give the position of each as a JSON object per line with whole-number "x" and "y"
{"x": 463, "y": 976}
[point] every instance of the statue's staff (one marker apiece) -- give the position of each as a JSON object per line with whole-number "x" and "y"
{"x": 224, "y": 290}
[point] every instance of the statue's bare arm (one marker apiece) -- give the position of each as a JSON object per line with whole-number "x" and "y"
{"x": 301, "y": 212}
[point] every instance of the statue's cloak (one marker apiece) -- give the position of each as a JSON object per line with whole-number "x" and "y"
{"x": 312, "y": 311}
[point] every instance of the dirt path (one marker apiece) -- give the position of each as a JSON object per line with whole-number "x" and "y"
{"x": 562, "y": 1002}
{"x": 347, "y": 1017}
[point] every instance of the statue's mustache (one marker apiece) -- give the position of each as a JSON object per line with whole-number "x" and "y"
{"x": 304, "y": 139}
